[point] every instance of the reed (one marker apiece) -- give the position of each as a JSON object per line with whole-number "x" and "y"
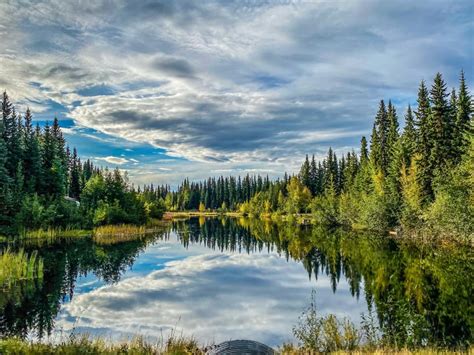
{"x": 39, "y": 237}
{"x": 112, "y": 234}
{"x": 19, "y": 267}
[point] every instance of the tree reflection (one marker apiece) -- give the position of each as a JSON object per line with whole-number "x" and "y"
{"x": 421, "y": 295}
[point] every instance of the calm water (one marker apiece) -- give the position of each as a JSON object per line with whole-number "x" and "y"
{"x": 230, "y": 279}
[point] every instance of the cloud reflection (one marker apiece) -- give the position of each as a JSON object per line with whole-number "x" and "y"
{"x": 211, "y": 296}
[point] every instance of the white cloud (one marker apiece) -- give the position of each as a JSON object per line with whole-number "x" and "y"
{"x": 113, "y": 160}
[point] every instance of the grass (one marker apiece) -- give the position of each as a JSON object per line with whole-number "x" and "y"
{"x": 85, "y": 345}
{"x": 51, "y": 235}
{"x": 289, "y": 349}
{"x": 19, "y": 267}
{"x": 112, "y": 234}
{"x": 174, "y": 345}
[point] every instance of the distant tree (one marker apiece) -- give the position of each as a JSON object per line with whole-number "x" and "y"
{"x": 305, "y": 173}
{"x": 364, "y": 153}
{"x": 409, "y": 135}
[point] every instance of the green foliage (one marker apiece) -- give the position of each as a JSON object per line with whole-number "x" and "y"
{"x": 325, "y": 208}
{"x": 299, "y": 197}
{"x": 325, "y": 334}
{"x": 452, "y": 213}
{"x": 31, "y": 213}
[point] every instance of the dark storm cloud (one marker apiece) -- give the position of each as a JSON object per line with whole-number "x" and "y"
{"x": 174, "y": 67}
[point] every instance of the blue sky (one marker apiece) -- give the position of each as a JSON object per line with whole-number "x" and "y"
{"x": 172, "y": 89}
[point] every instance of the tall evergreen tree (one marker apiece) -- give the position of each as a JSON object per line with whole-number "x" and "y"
{"x": 393, "y": 133}
{"x": 31, "y": 157}
{"x": 364, "y": 153}
{"x": 305, "y": 173}
{"x": 464, "y": 111}
{"x": 4, "y": 178}
{"x": 11, "y": 136}
{"x": 313, "y": 175}
{"x": 74, "y": 185}
{"x": 409, "y": 134}
{"x": 440, "y": 126}
{"x": 375, "y": 157}
{"x": 379, "y": 144}
{"x": 424, "y": 143}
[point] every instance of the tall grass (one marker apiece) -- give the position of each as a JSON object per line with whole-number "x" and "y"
{"x": 19, "y": 267}
{"x": 52, "y": 235}
{"x": 330, "y": 335}
{"x": 85, "y": 345}
{"x": 112, "y": 234}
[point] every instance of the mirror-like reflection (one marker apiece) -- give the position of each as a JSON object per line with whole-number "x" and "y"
{"x": 229, "y": 278}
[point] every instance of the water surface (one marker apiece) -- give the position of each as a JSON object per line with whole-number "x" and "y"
{"x": 221, "y": 279}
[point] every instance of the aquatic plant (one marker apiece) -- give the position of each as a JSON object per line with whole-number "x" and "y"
{"x": 51, "y": 235}
{"x": 17, "y": 267}
{"x": 112, "y": 234}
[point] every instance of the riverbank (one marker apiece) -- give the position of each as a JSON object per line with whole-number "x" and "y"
{"x": 187, "y": 214}
{"x": 300, "y": 218}
{"x": 422, "y": 235}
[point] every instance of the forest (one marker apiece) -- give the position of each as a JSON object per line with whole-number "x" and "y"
{"x": 44, "y": 184}
{"x": 419, "y": 178}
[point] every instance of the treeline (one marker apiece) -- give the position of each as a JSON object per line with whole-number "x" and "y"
{"x": 419, "y": 176}
{"x": 224, "y": 193}
{"x": 43, "y": 184}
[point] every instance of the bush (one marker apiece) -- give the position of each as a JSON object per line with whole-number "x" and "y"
{"x": 155, "y": 209}
{"x": 31, "y": 213}
{"x": 325, "y": 334}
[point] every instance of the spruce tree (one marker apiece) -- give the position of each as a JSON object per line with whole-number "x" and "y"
{"x": 74, "y": 185}
{"x": 424, "y": 143}
{"x": 393, "y": 134}
{"x": 31, "y": 156}
{"x": 382, "y": 125}
{"x": 313, "y": 175}
{"x": 409, "y": 134}
{"x": 305, "y": 173}
{"x": 375, "y": 147}
{"x": 364, "y": 153}
{"x": 11, "y": 136}
{"x": 440, "y": 126}
{"x": 463, "y": 115}
{"x": 4, "y": 178}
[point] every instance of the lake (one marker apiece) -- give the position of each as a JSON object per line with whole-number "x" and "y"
{"x": 222, "y": 278}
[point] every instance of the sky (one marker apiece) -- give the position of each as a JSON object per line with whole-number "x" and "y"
{"x": 167, "y": 90}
